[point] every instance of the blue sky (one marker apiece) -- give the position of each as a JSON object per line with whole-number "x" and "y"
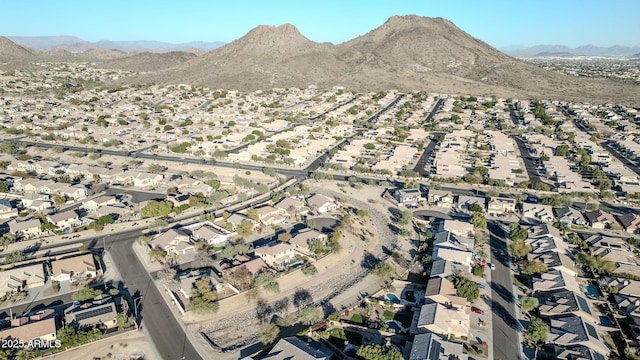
{"x": 499, "y": 23}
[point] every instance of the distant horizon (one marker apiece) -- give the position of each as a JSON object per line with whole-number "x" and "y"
{"x": 501, "y": 24}
{"x": 511, "y": 47}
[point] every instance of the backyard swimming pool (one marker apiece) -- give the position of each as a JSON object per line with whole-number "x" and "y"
{"x": 393, "y": 298}
{"x": 394, "y": 326}
{"x": 592, "y": 291}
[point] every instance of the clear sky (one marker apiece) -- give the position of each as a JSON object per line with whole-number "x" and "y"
{"x": 499, "y": 23}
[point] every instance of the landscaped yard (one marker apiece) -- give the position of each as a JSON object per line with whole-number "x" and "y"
{"x": 388, "y": 315}
{"x": 338, "y": 336}
{"x": 360, "y": 319}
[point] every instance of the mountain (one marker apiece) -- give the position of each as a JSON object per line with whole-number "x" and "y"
{"x": 266, "y": 57}
{"x": 148, "y": 61}
{"x": 585, "y": 50}
{"x": 75, "y": 44}
{"x": 405, "y": 53}
{"x": 10, "y": 51}
{"x": 635, "y": 56}
{"x": 553, "y": 54}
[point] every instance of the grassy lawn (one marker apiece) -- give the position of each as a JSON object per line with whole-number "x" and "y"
{"x": 338, "y": 336}
{"x": 358, "y": 318}
{"x": 388, "y": 315}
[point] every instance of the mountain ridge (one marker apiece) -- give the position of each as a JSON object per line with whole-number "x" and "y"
{"x": 584, "y": 50}
{"x": 76, "y": 44}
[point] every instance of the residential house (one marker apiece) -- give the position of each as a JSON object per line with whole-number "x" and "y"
{"x": 100, "y": 312}
{"x": 147, "y": 180}
{"x": 441, "y": 198}
{"x": 465, "y": 201}
{"x": 209, "y": 232}
{"x": 625, "y": 260}
{"x": 292, "y": 206}
{"x": 269, "y": 215}
{"x": 97, "y": 202}
{"x": 457, "y": 256}
{"x": 457, "y": 227}
{"x": 293, "y": 348}
{"x": 555, "y": 260}
{"x": 630, "y": 222}
{"x": 179, "y": 199}
{"x": 574, "y": 330}
{"x": 555, "y": 279}
{"x": 277, "y": 256}
{"x": 188, "y": 279}
{"x": 500, "y": 206}
{"x": 564, "y": 302}
{"x": 26, "y": 229}
{"x": 407, "y": 197}
{"x": 173, "y": 242}
{"x": 64, "y": 220}
{"x": 254, "y": 266}
{"x": 599, "y": 219}
{"x": 449, "y": 240}
{"x": 439, "y": 319}
{"x": 539, "y": 212}
{"x": 21, "y": 278}
{"x": 431, "y": 346}
{"x": 41, "y": 325}
{"x": 236, "y": 219}
{"x": 596, "y": 241}
{"x": 575, "y": 352}
{"x": 442, "y": 291}
{"x": 7, "y": 211}
{"x": 322, "y": 204}
{"x": 302, "y": 241}
{"x": 74, "y": 268}
{"x": 444, "y": 268}
{"x": 570, "y": 216}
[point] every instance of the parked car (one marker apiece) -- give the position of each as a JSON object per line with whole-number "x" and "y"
{"x": 477, "y": 311}
{"x": 481, "y": 286}
{"x": 492, "y": 266}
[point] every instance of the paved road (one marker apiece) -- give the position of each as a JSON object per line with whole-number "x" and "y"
{"x": 166, "y": 333}
{"x": 515, "y": 116}
{"x": 529, "y": 166}
{"x": 505, "y": 336}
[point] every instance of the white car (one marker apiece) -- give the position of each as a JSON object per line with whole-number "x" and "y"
{"x": 285, "y": 223}
{"x": 492, "y": 266}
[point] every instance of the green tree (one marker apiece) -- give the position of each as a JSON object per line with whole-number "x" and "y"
{"x": 378, "y": 352}
{"x": 253, "y": 214}
{"x": 478, "y": 220}
{"x": 268, "y": 333}
{"x": 245, "y": 229}
{"x": 84, "y": 294}
{"x": 466, "y": 288}
{"x": 156, "y": 208}
{"x": 475, "y": 208}
{"x": 519, "y": 248}
{"x": 311, "y": 315}
{"x": 383, "y": 270}
{"x": 269, "y": 281}
{"x": 14, "y": 257}
{"x": 537, "y": 332}
{"x": 531, "y": 267}
{"x": 405, "y": 217}
{"x": 155, "y": 168}
{"x": 529, "y": 303}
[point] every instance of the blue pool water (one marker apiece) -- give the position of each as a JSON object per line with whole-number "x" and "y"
{"x": 605, "y": 321}
{"x": 392, "y": 325}
{"x": 592, "y": 291}
{"x": 393, "y": 298}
